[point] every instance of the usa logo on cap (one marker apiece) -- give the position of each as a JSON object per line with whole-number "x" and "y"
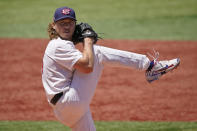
{"x": 63, "y": 13}
{"x": 66, "y": 11}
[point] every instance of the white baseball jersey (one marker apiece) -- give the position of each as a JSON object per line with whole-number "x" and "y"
{"x": 59, "y": 58}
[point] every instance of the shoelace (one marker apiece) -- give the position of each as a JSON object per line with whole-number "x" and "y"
{"x": 156, "y": 55}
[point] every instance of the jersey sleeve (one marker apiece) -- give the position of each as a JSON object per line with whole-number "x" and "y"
{"x": 67, "y": 55}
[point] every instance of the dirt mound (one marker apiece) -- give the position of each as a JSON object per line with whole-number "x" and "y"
{"x": 122, "y": 94}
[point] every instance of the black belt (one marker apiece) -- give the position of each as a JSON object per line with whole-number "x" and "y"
{"x": 56, "y": 97}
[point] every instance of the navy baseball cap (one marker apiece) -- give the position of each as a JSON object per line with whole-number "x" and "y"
{"x": 63, "y": 13}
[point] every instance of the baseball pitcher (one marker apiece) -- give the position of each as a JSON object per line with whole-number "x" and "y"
{"x": 70, "y": 76}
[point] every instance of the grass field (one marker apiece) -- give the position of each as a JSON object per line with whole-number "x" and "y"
{"x": 101, "y": 126}
{"x": 128, "y": 19}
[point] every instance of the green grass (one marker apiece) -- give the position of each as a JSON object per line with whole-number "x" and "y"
{"x": 128, "y": 19}
{"x": 101, "y": 126}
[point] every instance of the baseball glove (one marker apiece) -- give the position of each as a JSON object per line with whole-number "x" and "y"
{"x": 82, "y": 31}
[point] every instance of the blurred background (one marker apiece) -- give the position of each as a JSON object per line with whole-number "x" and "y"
{"x": 114, "y": 19}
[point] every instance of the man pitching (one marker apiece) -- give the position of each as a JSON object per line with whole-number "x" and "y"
{"x": 70, "y": 77}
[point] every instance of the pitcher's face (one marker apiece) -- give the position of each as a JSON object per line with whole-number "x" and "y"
{"x": 65, "y": 28}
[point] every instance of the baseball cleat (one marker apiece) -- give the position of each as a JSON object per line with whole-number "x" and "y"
{"x": 159, "y": 68}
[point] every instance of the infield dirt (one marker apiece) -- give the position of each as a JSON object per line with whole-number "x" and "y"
{"x": 122, "y": 93}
